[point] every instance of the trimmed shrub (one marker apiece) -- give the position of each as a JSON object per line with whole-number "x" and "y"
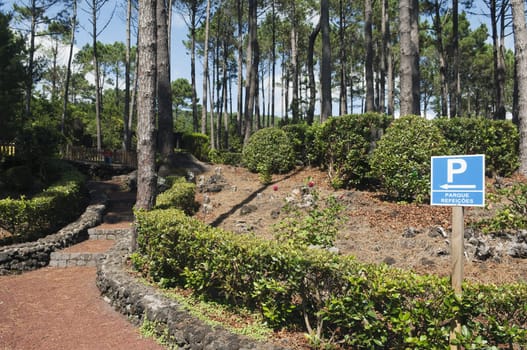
{"x": 225, "y": 157}
{"x": 297, "y": 137}
{"x": 180, "y": 195}
{"x": 346, "y": 143}
{"x": 497, "y": 139}
{"x": 401, "y": 161}
{"x": 198, "y": 144}
{"x": 269, "y": 151}
{"x": 59, "y": 204}
{"x": 357, "y": 305}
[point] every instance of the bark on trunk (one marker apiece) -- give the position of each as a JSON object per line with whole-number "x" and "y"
{"x": 68, "y": 67}
{"x": 368, "y": 43}
{"x": 311, "y": 74}
{"x": 205, "y": 72}
{"x": 520, "y": 48}
{"x": 409, "y": 70}
{"x": 325, "y": 71}
{"x": 164, "y": 89}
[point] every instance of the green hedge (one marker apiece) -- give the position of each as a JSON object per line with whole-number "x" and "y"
{"x": 59, "y": 204}
{"x": 401, "y": 161}
{"x": 497, "y": 139}
{"x": 345, "y": 145}
{"x": 355, "y": 304}
{"x": 225, "y": 157}
{"x": 180, "y": 195}
{"x": 269, "y": 151}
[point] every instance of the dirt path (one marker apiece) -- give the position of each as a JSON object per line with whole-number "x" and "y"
{"x": 61, "y": 308}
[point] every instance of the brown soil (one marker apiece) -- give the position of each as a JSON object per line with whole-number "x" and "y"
{"x": 373, "y": 228}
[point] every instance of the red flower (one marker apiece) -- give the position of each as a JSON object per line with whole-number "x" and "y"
{"x": 310, "y": 184}
{"x": 275, "y": 188}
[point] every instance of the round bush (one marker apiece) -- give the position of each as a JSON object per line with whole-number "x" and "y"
{"x": 345, "y": 144}
{"x": 297, "y": 135}
{"x": 401, "y": 161}
{"x": 497, "y": 139}
{"x": 269, "y": 151}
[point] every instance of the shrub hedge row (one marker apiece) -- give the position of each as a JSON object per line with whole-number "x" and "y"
{"x": 372, "y": 149}
{"x": 59, "y": 204}
{"x": 355, "y": 304}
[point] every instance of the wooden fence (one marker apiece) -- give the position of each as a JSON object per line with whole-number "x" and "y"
{"x": 7, "y": 149}
{"x": 84, "y": 154}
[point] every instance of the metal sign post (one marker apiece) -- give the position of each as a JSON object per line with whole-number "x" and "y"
{"x": 457, "y": 181}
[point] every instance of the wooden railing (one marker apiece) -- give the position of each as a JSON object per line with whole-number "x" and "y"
{"x": 84, "y": 154}
{"x": 7, "y": 149}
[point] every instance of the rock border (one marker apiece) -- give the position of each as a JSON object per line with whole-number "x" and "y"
{"x": 17, "y": 258}
{"x": 141, "y": 302}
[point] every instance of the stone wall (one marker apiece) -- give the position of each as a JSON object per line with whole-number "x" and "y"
{"x": 137, "y": 301}
{"x": 29, "y": 256}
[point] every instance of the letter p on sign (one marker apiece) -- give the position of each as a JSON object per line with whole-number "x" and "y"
{"x": 455, "y": 166}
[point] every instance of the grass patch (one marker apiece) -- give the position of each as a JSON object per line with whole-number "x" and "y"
{"x": 235, "y": 320}
{"x": 157, "y": 331}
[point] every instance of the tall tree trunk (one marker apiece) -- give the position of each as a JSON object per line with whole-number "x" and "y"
{"x": 146, "y": 173}
{"x": 73, "y": 23}
{"x": 252, "y": 69}
{"x": 520, "y": 49}
{"x": 98, "y": 103}
{"x": 133, "y": 98}
{"x": 31, "y": 61}
{"x": 501, "y": 69}
{"x": 273, "y": 58}
{"x": 343, "y": 96}
{"x": 368, "y": 43}
{"x": 455, "y": 93}
{"x": 165, "y": 121}
{"x": 294, "y": 65}
{"x": 325, "y": 71}
{"x": 409, "y": 70}
{"x": 311, "y": 75}
{"x": 383, "y": 55}
{"x": 390, "y": 75}
{"x": 442, "y": 60}
{"x": 239, "y": 97}
{"x": 127, "y": 135}
{"x": 224, "y": 97}
{"x": 193, "y": 24}
{"x": 205, "y": 72}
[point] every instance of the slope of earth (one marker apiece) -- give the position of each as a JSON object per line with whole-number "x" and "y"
{"x": 407, "y": 236}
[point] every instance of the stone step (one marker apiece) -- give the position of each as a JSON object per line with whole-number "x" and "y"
{"x": 64, "y": 259}
{"x": 107, "y": 233}
{"x": 114, "y": 218}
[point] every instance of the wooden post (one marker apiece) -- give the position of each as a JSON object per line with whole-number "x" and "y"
{"x": 457, "y": 254}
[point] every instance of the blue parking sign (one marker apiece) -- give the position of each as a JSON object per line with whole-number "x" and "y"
{"x": 458, "y": 180}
